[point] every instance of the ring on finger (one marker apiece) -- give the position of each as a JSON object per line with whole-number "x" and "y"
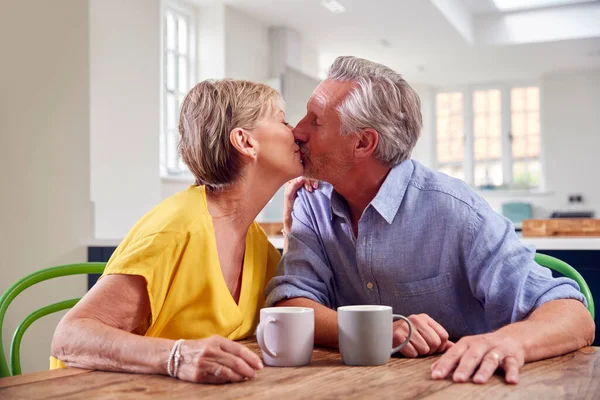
{"x": 218, "y": 371}
{"x": 495, "y": 356}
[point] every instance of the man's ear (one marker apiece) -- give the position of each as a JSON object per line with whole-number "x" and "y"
{"x": 366, "y": 143}
{"x": 243, "y": 142}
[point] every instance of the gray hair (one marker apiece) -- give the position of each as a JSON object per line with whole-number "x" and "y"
{"x": 382, "y": 100}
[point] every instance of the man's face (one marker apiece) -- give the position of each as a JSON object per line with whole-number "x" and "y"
{"x": 327, "y": 155}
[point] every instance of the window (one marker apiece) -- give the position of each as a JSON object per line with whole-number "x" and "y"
{"x": 450, "y": 134}
{"x": 487, "y": 142}
{"x": 500, "y": 144}
{"x": 525, "y": 136}
{"x": 178, "y": 75}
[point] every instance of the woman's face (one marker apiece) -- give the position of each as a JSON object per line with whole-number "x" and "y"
{"x": 277, "y": 151}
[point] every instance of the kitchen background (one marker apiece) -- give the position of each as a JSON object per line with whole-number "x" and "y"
{"x": 89, "y": 92}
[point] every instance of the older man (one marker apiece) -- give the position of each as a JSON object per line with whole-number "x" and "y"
{"x": 387, "y": 230}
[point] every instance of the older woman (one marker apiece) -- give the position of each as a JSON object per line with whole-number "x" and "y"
{"x": 189, "y": 278}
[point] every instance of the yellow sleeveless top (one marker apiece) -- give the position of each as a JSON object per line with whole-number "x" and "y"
{"x": 174, "y": 248}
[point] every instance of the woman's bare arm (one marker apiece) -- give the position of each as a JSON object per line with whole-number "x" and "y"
{"x": 96, "y": 334}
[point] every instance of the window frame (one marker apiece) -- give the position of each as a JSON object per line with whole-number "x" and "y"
{"x": 189, "y": 13}
{"x": 505, "y": 126}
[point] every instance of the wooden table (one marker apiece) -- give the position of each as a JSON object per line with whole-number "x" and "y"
{"x": 575, "y": 375}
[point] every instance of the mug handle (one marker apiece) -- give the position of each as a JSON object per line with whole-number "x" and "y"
{"x": 260, "y": 335}
{"x": 397, "y": 317}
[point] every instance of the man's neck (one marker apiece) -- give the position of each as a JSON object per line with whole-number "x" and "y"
{"x": 360, "y": 187}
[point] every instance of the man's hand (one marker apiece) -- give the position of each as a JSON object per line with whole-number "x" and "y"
{"x": 428, "y": 337}
{"x": 481, "y": 355}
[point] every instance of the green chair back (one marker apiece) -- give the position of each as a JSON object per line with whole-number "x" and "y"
{"x": 566, "y": 270}
{"x": 22, "y": 284}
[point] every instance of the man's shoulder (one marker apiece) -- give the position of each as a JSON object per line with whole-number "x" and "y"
{"x": 437, "y": 186}
{"x": 320, "y": 197}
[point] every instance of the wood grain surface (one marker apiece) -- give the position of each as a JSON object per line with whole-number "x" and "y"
{"x": 572, "y": 376}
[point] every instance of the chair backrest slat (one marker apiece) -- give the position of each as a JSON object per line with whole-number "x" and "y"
{"x": 15, "y": 289}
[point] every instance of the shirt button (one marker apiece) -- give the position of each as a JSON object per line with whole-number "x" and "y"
{"x": 370, "y": 285}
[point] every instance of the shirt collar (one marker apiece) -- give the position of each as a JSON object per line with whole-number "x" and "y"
{"x": 388, "y": 198}
{"x": 390, "y": 194}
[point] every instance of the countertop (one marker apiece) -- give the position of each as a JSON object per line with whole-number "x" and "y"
{"x": 540, "y": 243}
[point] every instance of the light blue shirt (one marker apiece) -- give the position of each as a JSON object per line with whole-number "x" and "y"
{"x": 426, "y": 244}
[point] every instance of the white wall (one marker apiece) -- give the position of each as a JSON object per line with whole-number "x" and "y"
{"x": 247, "y": 52}
{"x": 45, "y": 207}
{"x": 125, "y": 112}
{"x": 211, "y": 41}
{"x": 424, "y": 151}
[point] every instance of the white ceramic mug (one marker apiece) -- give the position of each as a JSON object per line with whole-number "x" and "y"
{"x": 286, "y": 335}
{"x": 366, "y": 334}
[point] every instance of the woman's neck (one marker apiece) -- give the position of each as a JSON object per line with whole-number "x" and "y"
{"x": 236, "y": 206}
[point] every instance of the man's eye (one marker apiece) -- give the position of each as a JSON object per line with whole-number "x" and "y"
{"x": 286, "y": 123}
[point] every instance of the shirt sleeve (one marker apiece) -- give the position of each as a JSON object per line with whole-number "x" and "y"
{"x": 273, "y": 258}
{"x": 502, "y": 272}
{"x": 303, "y": 270}
{"x": 155, "y": 258}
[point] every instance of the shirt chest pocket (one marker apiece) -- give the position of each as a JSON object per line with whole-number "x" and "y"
{"x": 435, "y": 297}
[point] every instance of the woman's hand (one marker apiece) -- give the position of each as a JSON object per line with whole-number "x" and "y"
{"x": 216, "y": 360}
{"x": 291, "y": 189}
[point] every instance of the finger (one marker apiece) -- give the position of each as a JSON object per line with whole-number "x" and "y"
{"x": 434, "y": 341}
{"x": 409, "y": 351}
{"x": 242, "y": 352}
{"x": 293, "y": 186}
{"x": 228, "y": 375}
{"x": 448, "y": 361}
{"x": 441, "y": 333}
{"x": 490, "y": 363}
{"x": 308, "y": 186}
{"x": 216, "y": 373}
{"x": 421, "y": 330}
{"x": 511, "y": 368}
{"x": 315, "y": 184}
{"x": 470, "y": 360}
{"x": 236, "y": 364}
{"x": 418, "y": 343}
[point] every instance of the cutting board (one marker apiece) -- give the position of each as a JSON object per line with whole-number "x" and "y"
{"x": 561, "y": 227}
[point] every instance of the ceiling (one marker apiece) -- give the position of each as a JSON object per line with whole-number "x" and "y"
{"x": 426, "y": 42}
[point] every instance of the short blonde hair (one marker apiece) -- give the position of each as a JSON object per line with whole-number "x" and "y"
{"x": 210, "y": 111}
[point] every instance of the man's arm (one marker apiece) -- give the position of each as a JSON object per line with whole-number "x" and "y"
{"x": 531, "y": 314}
{"x": 326, "y": 327}
{"x": 556, "y": 327}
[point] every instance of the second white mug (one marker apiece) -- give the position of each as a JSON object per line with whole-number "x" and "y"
{"x": 366, "y": 332}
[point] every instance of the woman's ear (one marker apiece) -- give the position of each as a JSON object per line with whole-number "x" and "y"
{"x": 243, "y": 142}
{"x": 366, "y": 143}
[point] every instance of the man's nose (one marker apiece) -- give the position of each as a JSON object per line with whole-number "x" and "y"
{"x": 299, "y": 131}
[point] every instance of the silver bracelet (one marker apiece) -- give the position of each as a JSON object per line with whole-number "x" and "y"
{"x": 174, "y": 357}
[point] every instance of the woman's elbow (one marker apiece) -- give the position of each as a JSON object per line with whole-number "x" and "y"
{"x": 61, "y": 339}
{"x": 590, "y": 331}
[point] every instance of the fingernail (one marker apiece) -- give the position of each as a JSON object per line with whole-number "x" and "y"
{"x": 459, "y": 377}
{"x": 478, "y": 379}
{"x": 315, "y": 185}
{"x": 437, "y": 374}
{"x": 260, "y": 365}
{"x": 299, "y": 179}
